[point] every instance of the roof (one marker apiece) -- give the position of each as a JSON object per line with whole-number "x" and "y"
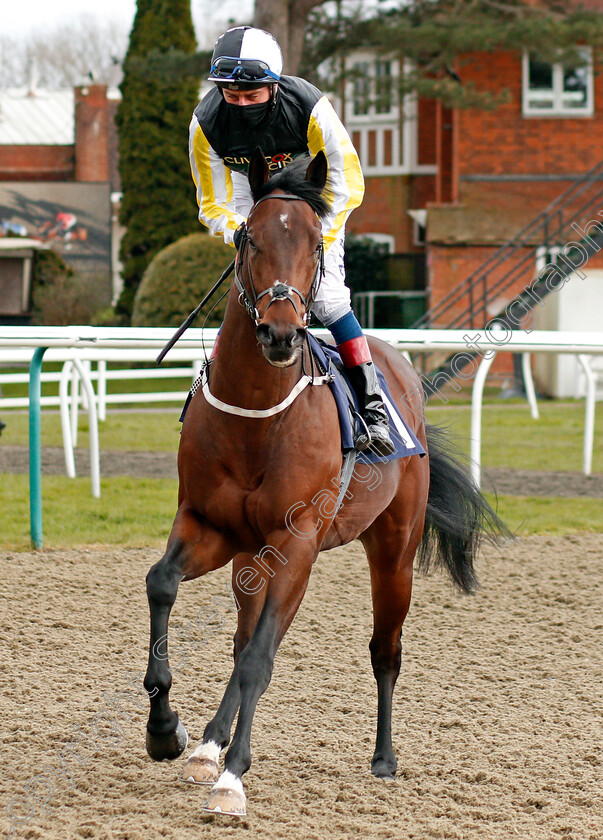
{"x": 39, "y": 118}
{"x": 20, "y": 243}
{"x": 493, "y": 212}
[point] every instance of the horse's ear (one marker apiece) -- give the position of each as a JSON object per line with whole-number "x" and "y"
{"x": 258, "y": 170}
{"x": 316, "y": 172}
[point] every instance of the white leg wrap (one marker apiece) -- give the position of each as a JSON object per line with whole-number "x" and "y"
{"x": 229, "y": 781}
{"x": 209, "y": 750}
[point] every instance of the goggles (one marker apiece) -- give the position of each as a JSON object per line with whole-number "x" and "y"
{"x": 241, "y": 70}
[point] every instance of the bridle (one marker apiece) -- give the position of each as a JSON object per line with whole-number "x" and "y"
{"x": 279, "y": 291}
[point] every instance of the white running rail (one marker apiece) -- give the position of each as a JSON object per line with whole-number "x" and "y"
{"x": 103, "y": 345}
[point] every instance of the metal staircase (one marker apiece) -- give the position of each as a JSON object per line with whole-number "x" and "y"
{"x": 548, "y": 233}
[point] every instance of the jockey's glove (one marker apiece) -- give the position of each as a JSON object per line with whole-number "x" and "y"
{"x": 238, "y": 235}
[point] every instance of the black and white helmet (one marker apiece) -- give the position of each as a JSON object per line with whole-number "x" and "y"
{"x": 245, "y": 57}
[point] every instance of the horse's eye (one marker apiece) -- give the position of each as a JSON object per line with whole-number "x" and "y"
{"x": 252, "y": 244}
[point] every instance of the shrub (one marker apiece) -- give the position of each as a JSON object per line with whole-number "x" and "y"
{"x": 106, "y": 316}
{"x": 365, "y": 264}
{"x": 69, "y": 299}
{"x": 60, "y": 295}
{"x": 177, "y": 279}
{"x": 48, "y": 266}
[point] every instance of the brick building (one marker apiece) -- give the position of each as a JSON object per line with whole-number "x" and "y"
{"x": 57, "y": 135}
{"x": 456, "y": 185}
{"x": 58, "y": 173}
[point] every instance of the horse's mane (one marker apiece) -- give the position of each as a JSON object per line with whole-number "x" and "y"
{"x": 292, "y": 179}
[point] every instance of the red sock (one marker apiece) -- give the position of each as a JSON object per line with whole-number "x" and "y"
{"x": 355, "y": 351}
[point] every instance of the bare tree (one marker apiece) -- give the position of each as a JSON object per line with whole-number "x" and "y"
{"x": 84, "y": 49}
{"x": 13, "y": 62}
{"x": 212, "y": 19}
{"x": 286, "y": 20}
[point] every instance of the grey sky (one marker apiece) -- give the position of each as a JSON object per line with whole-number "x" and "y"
{"x": 19, "y": 18}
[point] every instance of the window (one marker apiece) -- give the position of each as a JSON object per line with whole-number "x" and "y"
{"x": 373, "y": 88}
{"x": 557, "y": 89}
{"x": 385, "y": 239}
{"x": 381, "y": 122}
{"x": 362, "y": 89}
{"x": 383, "y": 87}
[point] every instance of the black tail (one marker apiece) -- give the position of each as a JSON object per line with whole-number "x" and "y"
{"x": 457, "y": 518}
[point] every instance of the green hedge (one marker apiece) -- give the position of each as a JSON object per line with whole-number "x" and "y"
{"x": 365, "y": 264}
{"x": 182, "y": 273}
{"x": 177, "y": 279}
{"x": 61, "y": 295}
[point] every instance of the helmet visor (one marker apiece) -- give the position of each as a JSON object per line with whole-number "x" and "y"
{"x": 241, "y": 70}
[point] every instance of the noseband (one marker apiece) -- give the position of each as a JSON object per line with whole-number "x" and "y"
{"x": 280, "y": 291}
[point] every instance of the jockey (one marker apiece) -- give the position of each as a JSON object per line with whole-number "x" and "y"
{"x": 253, "y": 105}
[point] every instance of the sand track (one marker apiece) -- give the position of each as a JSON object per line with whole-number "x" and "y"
{"x": 497, "y": 715}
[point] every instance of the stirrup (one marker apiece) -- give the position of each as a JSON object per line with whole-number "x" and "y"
{"x": 363, "y": 438}
{"x": 370, "y": 438}
{"x": 381, "y": 444}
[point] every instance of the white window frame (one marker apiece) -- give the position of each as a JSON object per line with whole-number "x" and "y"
{"x": 372, "y": 115}
{"x": 380, "y": 239}
{"x": 558, "y": 94}
{"x": 419, "y": 224}
{"x": 401, "y": 120}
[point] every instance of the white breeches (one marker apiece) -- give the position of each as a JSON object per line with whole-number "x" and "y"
{"x": 333, "y": 299}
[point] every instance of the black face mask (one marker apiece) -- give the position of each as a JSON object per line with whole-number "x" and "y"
{"x": 251, "y": 116}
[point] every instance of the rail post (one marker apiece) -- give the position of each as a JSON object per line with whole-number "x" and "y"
{"x": 35, "y": 450}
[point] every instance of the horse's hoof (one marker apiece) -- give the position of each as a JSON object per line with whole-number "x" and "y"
{"x": 226, "y": 801}
{"x": 200, "y": 771}
{"x": 381, "y": 770}
{"x": 167, "y": 747}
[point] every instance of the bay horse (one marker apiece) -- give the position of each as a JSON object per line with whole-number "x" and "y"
{"x": 256, "y": 447}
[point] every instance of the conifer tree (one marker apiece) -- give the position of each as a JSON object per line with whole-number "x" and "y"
{"x": 158, "y": 202}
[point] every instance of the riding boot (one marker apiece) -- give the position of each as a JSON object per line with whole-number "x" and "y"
{"x": 356, "y": 357}
{"x": 366, "y": 385}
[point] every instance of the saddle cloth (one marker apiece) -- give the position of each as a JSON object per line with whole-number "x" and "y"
{"x": 329, "y": 361}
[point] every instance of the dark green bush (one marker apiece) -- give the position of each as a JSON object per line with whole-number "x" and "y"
{"x": 365, "y": 264}
{"x": 48, "y": 266}
{"x": 62, "y": 296}
{"x": 177, "y": 279}
{"x": 158, "y": 201}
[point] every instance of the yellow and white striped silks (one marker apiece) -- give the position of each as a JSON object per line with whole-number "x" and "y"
{"x": 224, "y": 197}
{"x": 346, "y": 183}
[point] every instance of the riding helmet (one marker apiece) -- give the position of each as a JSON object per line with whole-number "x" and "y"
{"x": 246, "y": 57}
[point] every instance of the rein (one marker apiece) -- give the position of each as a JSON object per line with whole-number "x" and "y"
{"x": 280, "y": 291}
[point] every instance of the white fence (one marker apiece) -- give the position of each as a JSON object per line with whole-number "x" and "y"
{"x": 82, "y": 384}
{"x": 97, "y": 365}
{"x": 80, "y": 348}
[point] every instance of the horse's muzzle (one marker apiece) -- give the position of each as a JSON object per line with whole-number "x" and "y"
{"x": 280, "y": 344}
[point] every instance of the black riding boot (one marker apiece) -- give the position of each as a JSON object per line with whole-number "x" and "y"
{"x": 366, "y": 385}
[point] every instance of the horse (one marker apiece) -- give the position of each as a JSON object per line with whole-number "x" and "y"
{"x": 258, "y": 451}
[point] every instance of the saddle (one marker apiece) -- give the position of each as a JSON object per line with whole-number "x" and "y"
{"x": 328, "y": 362}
